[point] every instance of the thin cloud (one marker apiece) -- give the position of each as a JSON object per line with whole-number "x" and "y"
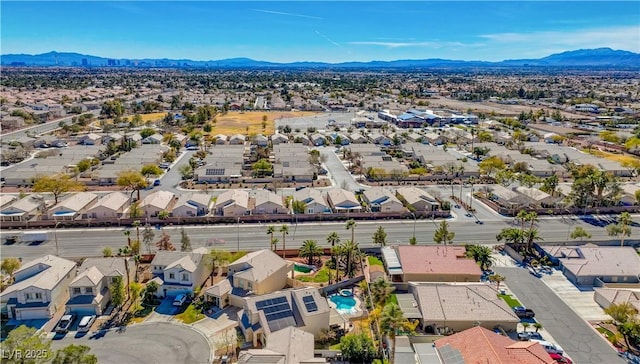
{"x": 416, "y": 44}
{"x": 328, "y": 39}
{"x": 621, "y": 37}
{"x": 287, "y": 14}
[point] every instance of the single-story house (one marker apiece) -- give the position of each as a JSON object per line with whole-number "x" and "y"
{"x": 267, "y": 202}
{"x": 381, "y": 199}
{"x": 313, "y": 200}
{"x": 73, "y": 206}
{"x": 342, "y": 200}
{"x": 112, "y": 205}
{"x": 232, "y": 203}
{"x": 191, "y": 204}
{"x": 432, "y": 263}
{"x": 156, "y": 202}
{"x": 418, "y": 198}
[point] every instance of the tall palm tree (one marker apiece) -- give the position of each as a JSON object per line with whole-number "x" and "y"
{"x": 350, "y": 250}
{"x": 381, "y": 290}
{"x": 310, "y": 250}
{"x": 274, "y": 243}
{"x": 270, "y": 231}
{"x": 497, "y": 279}
{"x": 351, "y": 225}
{"x": 392, "y": 319}
{"x": 284, "y": 229}
{"x": 137, "y": 224}
{"x": 333, "y": 239}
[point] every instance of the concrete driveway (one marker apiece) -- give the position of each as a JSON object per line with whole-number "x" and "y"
{"x": 581, "y": 342}
{"x": 157, "y": 342}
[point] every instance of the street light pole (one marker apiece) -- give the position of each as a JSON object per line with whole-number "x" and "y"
{"x": 414, "y": 224}
{"x": 55, "y": 237}
{"x": 238, "y": 242}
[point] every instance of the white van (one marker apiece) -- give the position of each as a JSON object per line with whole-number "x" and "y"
{"x": 550, "y": 347}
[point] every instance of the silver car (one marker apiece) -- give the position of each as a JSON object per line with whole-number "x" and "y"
{"x": 86, "y": 322}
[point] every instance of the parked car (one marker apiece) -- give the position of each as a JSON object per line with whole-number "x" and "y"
{"x": 156, "y": 182}
{"x": 180, "y": 299}
{"x": 529, "y": 335}
{"x": 65, "y": 324}
{"x": 523, "y": 312}
{"x": 551, "y": 348}
{"x": 86, "y": 322}
{"x": 560, "y": 359}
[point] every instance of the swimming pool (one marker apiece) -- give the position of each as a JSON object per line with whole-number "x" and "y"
{"x": 344, "y": 304}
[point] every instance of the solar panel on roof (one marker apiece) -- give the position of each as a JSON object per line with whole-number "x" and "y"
{"x": 214, "y": 171}
{"x": 310, "y": 303}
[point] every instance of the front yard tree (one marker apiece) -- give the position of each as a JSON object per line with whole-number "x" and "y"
{"x": 57, "y": 184}
{"x": 75, "y": 354}
{"x": 442, "y": 235}
{"x": 131, "y": 180}
{"x": 185, "y": 241}
{"x": 117, "y": 291}
{"x": 10, "y": 266}
{"x": 357, "y": 348}
{"x": 25, "y": 340}
{"x": 380, "y": 237}
{"x": 310, "y": 250}
{"x": 381, "y": 290}
{"x": 579, "y": 233}
{"x": 298, "y": 207}
{"x": 392, "y": 320}
{"x": 151, "y": 170}
{"x": 497, "y": 279}
{"x": 333, "y": 239}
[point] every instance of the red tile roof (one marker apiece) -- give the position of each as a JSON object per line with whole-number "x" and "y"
{"x": 481, "y": 346}
{"x": 436, "y": 260}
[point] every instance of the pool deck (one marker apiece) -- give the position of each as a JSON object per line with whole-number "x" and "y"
{"x": 348, "y": 315}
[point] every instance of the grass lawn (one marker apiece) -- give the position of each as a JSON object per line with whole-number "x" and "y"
{"x": 335, "y": 347}
{"x": 236, "y": 255}
{"x": 393, "y": 299}
{"x": 190, "y": 315}
{"x": 322, "y": 276}
{"x": 512, "y": 302}
{"x": 610, "y": 335}
{"x": 374, "y": 261}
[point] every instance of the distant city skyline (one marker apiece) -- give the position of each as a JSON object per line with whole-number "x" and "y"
{"x": 318, "y": 31}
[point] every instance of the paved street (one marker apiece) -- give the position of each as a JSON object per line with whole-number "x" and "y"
{"x": 339, "y": 174}
{"x": 582, "y": 343}
{"x": 156, "y": 342}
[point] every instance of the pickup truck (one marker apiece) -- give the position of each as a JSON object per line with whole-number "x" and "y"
{"x": 523, "y": 312}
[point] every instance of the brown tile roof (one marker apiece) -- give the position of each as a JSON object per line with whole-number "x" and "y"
{"x": 436, "y": 260}
{"x": 478, "y": 345}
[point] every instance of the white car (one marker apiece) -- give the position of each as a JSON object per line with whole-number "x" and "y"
{"x": 86, "y": 322}
{"x": 551, "y": 348}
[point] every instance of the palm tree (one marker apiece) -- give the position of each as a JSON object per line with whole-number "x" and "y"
{"x": 381, "y": 291}
{"x": 136, "y": 224}
{"x": 532, "y": 236}
{"x": 274, "y": 243}
{"x": 497, "y": 279}
{"x": 538, "y": 326}
{"x": 310, "y": 250}
{"x": 349, "y": 250}
{"x": 284, "y": 229}
{"x": 481, "y": 254}
{"x": 392, "y": 319}
{"x": 351, "y": 225}
{"x": 127, "y": 233}
{"x": 216, "y": 257}
{"x": 333, "y": 239}
{"x": 511, "y": 236}
{"x": 270, "y": 231}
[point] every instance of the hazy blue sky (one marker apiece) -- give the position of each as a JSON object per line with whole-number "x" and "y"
{"x": 318, "y": 31}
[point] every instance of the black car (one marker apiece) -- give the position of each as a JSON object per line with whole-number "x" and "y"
{"x": 522, "y": 312}
{"x": 529, "y": 335}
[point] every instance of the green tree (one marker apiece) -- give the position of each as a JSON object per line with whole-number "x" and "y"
{"x": 380, "y": 237}
{"x": 135, "y": 292}
{"x": 270, "y": 231}
{"x": 381, "y": 290}
{"x": 357, "y": 348}
{"x": 185, "y": 241}
{"x": 83, "y": 165}
{"x": 442, "y": 235}
{"x": 550, "y": 184}
{"x": 151, "y": 170}
{"x": 117, "y": 291}
{"x": 391, "y": 321}
{"x": 622, "y": 228}
{"x": 298, "y": 207}
{"x": 107, "y": 252}
{"x": 147, "y": 237}
{"x": 186, "y": 171}
{"x": 413, "y": 240}
{"x": 351, "y": 225}
{"x": 75, "y": 354}
{"x": 131, "y": 180}
{"x": 333, "y": 239}
{"x": 310, "y": 250}
{"x": 57, "y": 184}
{"x": 147, "y": 132}
{"x": 580, "y": 233}
{"x": 491, "y": 165}
{"x": 24, "y": 340}
{"x": 350, "y": 251}
{"x": 262, "y": 168}
{"x": 497, "y": 279}
{"x": 481, "y": 254}
{"x": 10, "y": 266}
{"x": 284, "y": 229}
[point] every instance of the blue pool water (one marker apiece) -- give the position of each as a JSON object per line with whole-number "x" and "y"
{"x": 344, "y": 304}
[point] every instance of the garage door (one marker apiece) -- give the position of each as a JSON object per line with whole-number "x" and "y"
{"x": 172, "y": 292}
{"x": 83, "y": 311}
{"x": 32, "y": 314}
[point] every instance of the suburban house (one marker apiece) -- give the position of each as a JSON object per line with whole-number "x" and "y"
{"x": 606, "y": 297}
{"x": 180, "y": 272}
{"x": 260, "y": 140}
{"x": 39, "y": 289}
{"x": 237, "y": 139}
{"x": 279, "y": 139}
{"x": 342, "y": 200}
{"x": 358, "y": 138}
{"x": 90, "y": 139}
{"x": 435, "y": 263}
{"x": 23, "y": 209}
{"x": 587, "y": 264}
{"x": 476, "y": 304}
{"x": 112, "y": 205}
{"x": 256, "y": 273}
{"x": 153, "y": 139}
{"x": 433, "y": 138}
{"x": 267, "y": 202}
{"x": 156, "y": 202}
{"x": 303, "y": 308}
{"x": 7, "y": 199}
{"x": 73, "y": 206}
{"x": 508, "y": 198}
{"x": 418, "y": 198}
{"x": 289, "y": 345}
{"x": 232, "y": 203}
{"x": 314, "y": 202}
{"x": 220, "y": 139}
{"x": 539, "y": 198}
{"x": 317, "y": 139}
{"x": 89, "y": 292}
{"x": 479, "y": 345}
{"x": 381, "y": 199}
{"x": 191, "y": 204}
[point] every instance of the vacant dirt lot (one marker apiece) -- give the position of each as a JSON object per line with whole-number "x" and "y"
{"x": 251, "y": 122}
{"x": 489, "y": 107}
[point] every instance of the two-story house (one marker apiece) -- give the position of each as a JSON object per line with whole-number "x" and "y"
{"x": 89, "y": 292}
{"x": 258, "y": 273}
{"x": 180, "y": 272}
{"x": 39, "y": 289}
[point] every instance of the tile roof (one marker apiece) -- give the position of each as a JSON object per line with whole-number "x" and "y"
{"x": 53, "y": 270}
{"x": 113, "y": 201}
{"x": 590, "y": 260}
{"x": 436, "y": 260}
{"x": 258, "y": 265}
{"x": 76, "y": 201}
{"x": 266, "y": 196}
{"x": 478, "y": 345}
{"x": 89, "y": 278}
{"x": 239, "y": 197}
{"x": 159, "y": 199}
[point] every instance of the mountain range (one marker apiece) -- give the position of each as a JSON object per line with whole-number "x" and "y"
{"x": 600, "y": 57}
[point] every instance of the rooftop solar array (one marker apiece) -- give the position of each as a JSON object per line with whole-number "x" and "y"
{"x": 450, "y": 355}
{"x": 310, "y": 303}
{"x": 278, "y": 312}
{"x": 261, "y": 304}
{"x": 214, "y": 171}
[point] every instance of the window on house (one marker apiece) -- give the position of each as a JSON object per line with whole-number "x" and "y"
{"x": 172, "y": 276}
{"x": 27, "y": 296}
{"x": 185, "y": 276}
{"x": 88, "y": 290}
{"x": 38, "y": 295}
{"x": 76, "y": 290}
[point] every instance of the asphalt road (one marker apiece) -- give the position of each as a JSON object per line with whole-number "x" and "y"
{"x": 338, "y": 172}
{"x": 582, "y": 343}
{"x": 91, "y": 241}
{"x": 157, "y": 342}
